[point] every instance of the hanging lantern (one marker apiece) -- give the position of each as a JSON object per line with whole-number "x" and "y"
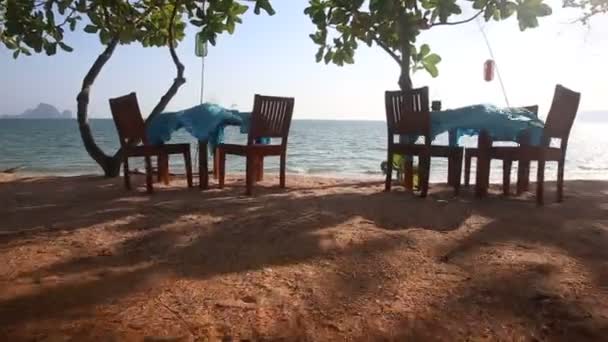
{"x": 488, "y": 70}
{"x": 200, "y": 47}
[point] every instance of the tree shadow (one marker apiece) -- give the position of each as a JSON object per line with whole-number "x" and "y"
{"x": 237, "y": 234}
{"x": 188, "y": 234}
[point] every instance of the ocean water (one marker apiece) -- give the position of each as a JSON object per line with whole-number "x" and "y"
{"x": 346, "y": 149}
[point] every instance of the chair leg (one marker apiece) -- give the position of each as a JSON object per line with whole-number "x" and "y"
{"x": 560, "y": 181}
{"x": 282, "y": 170}
{"x": 483, "y": 165}
{"x": 126, "y": 174}
{"x": 163, "y": 168}
{"x": 221, "y": 167}
{"x": 506, "y": 176}
{"x": 249, "y": 175}
{"x": 159, "y": 168}
{"x": 203, "y": 167}
{"x": 389, "y": 172}
{"x": 540, "y": 183}
{"x": 408, "y": 173}
{"x": 467, "y": 169}
{"x": 259, "y": 168}
{"x": 424, "y": 174}
{"x": 149, "y": 180}
{"x": 188, "y": 162}
{"x": 523, "y": 176}
{"x": 457, "y": 174}
{"x": 216, "y": 163}
{"x": 451, "y": 167}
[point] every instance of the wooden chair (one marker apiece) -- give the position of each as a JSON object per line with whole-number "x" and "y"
{"x": 271, "y": 118}
{"x": 557, "y": 126}
{"x": 132, "y": 131}
{"x": 473, "y": 152}
{"x": 407, "y": 113}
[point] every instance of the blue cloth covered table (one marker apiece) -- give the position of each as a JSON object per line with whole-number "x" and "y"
{"x": 501, "y": 124}
{"x": 205, "y": 122}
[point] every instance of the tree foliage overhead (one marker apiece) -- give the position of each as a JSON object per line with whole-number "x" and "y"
{"x": 590, "y": 8}
{"x": 395, "y": 25}
{"x": 40, "y": 25}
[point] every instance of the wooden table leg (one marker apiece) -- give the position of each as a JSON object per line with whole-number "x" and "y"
{"x": 452, "y": 162}
{"x": 259, "y": 172}
{"x": 216, "y": 164}
{"x": 203, "y": 168}
{"x": 163, "y": 168}
{"x": 523, "y": 168}
{"x": 483, "y": 165}
{"x": 408, "y": 172}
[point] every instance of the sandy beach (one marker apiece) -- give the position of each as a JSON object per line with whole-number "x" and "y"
{"x": 324, "y": 260}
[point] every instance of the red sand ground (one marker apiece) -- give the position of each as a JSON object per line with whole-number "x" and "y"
{"x": 82, "y": 258}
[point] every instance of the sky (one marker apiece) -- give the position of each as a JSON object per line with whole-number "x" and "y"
{"x": 275, "y": 56}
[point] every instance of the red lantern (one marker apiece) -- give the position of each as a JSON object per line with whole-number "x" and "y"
{"x": 488, "y": 70}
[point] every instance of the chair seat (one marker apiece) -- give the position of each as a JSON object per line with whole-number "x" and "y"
{"x": 435, "y": 150}
{"x": 516, "y": 152}
{"x": 147, "y": 150}
{"x": 258, "y": 149}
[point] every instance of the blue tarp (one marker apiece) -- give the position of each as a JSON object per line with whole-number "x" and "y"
{"x": 502, "y": 124}
{"x": 204, "y": 122}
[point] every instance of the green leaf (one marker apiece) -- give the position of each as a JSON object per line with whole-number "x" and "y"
{"x": 91, "y": 29}
{"x": 328, "y": 56}
{"x": 424, "y": 50}
{"x": 265, "y": 5}
{"x": 431, "y": 69}
{"x": 65, "y": 47}
{"x": 432, "y": 59}
{"x": 16, "y": 54}
{"x": 104, "y": 37}
{"x": 319, "y": 55}
{"x": 50, "y": 48}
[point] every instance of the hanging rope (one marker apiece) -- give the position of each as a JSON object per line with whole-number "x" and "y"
{"x": 485, "y": 37}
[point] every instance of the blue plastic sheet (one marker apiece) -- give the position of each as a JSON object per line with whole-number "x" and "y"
{"x": 204, "y": 122}
{"x": 502, "y": 124}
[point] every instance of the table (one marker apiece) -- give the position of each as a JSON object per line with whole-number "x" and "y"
{"x": 205, "y": 122}
{"x": 489, "y": 123}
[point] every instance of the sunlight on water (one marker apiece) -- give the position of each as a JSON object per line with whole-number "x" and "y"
{"x": 324, "y": 148}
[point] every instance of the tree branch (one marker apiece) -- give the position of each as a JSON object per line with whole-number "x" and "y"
{"x": 109, "y": 164}
{"x": 179, "y": 79}
{"x": 387, "y": 49}
{"x": 462, "y": 21}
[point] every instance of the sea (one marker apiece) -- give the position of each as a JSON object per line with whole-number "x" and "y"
{"x": 342, "y": 149}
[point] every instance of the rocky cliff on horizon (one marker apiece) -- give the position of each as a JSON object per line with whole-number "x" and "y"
{"x": 42, "y": 111}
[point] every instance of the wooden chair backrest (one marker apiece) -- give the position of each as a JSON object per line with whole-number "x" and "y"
{"x": 407, "y": 112}
{"x": 271, "y": 118}
{"x": 128, "y": 120}
{"x": 561, "y": 115}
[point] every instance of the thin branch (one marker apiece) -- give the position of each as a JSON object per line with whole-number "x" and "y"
{"x": 179, "y": 79}
{"x": 387, "y": 49}
{"x": 462, "y": 21}
{"x": 66, "y": 19}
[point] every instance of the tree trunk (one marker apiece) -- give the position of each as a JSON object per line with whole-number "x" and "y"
{"x": 405, "y": 79}
{"x": 179, "y": 78}
{"x": 405, "y": 83}
{"x": 109, "y": 164}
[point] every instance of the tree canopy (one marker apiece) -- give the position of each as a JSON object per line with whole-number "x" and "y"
{"x": 590, "y": 8}
{"x": 394, "y": 25}
{"x": 40, "y": 25}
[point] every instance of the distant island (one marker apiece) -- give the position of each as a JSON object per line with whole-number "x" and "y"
{"x": 42, "y": 111}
